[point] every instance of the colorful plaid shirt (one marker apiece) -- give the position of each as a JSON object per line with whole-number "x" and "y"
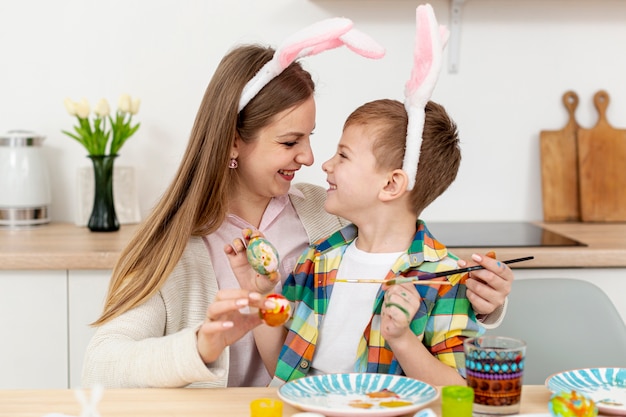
{"x": 445, "y": 317}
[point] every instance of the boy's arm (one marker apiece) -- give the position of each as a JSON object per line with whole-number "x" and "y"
{"x": 417, "y": 362}
{"x": 401, "y": 303}
{"x": 451, "y": 321}
{"x": 270, "y": 340}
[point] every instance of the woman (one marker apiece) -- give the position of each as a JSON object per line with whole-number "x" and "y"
{"x": 175, "y": 315}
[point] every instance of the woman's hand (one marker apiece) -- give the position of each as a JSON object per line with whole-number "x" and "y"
{"x": 234, "y": 313}
{"x": 487, "y": 288}
{"x": 247, "y": 277}
{"x": 400, "y": 304}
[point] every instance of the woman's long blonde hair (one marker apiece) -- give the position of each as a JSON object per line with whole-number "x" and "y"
{"x": 196, "y": 202}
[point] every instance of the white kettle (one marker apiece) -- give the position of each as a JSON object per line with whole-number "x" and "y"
{"x": 24, "y": 181}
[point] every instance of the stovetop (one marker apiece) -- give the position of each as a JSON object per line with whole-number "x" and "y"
{"x": 496, "y": 234}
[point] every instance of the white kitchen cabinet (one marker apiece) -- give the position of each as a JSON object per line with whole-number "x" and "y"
{"x": 87, "y": 290}
{"x": 33, "y": 325}
{"x": 44, "y": 322}
{"x": 45, "y": 316}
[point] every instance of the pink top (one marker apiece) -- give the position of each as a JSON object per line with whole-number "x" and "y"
{"x": 282, "y": 227}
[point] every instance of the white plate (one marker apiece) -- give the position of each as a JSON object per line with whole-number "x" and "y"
{"x": 605, "y": 386}
{"x": 333, "y": 394}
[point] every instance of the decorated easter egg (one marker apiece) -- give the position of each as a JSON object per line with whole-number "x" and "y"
{"x": 263, "y": 257}
{"x": 279, "y": 314}
{"x": 572, "y": 404}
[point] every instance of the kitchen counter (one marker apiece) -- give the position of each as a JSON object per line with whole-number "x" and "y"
{"x": 66, "y": 246}
{"x": 61, "y": 246}
{"x": 605, "y": 247}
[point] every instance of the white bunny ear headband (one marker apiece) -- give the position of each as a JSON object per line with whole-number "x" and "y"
{"x": 430, "y": 40}
{"x": 321, "y": 36}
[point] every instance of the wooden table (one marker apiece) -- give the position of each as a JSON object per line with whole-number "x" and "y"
{"x": 183, "y": 402}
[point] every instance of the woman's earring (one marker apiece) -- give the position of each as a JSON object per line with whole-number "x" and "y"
{"x": 233, "y": 163}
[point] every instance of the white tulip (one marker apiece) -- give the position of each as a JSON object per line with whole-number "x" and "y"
{"x": 134, "y": 106}
{"x": 124, "y": 103}
{"x": 82, "y": 108}
{"x": 70, "y": 106}
{"x": 102, "y": 108}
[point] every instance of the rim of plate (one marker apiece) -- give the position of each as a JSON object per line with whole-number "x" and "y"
{"x": 569, "y": 371}
{"x": 432, "y": 395}
{"x": 603, "y": 408}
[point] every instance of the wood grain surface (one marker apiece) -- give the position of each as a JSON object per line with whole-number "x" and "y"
{"x": 602, "y": 168}
{"x": 559, "y": 168}
{"x": 66, "y": 246}
{"x": 61, "y": 246}
{"x": 187, "y": 402}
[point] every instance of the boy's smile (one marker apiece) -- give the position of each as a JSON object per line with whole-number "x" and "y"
{"x": 352, "y": 174}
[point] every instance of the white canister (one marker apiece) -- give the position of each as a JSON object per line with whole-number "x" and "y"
{"x": 24, "y": 181}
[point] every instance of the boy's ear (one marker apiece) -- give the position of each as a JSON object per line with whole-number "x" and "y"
{"x": 397, "y": 183}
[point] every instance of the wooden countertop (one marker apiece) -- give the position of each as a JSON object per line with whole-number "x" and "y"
{"x": 190, "y": 402}
{"x": 61, "y": 246}
{"x": 66, "y": 246}
{"x": 606, "y": 247}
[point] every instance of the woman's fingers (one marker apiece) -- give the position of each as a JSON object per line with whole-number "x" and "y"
{"x": 236, "y": 301}
{"x": 215, "y": 335}
{"x": 489, "y": 287}
{"x": 225, "y": 306}
{"x": 481, "y": 303}
{"x": 233, "y": 314}
{"x": 239, "y": 245}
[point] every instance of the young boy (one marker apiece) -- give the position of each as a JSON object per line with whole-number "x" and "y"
{"x": 416, "y": 330}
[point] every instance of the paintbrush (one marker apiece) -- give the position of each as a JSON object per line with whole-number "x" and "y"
{"x": 426, "y": 279}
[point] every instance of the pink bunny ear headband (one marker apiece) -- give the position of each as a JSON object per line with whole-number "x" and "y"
{"x": 430, "y": 40}
{"x": 321, "y": 36}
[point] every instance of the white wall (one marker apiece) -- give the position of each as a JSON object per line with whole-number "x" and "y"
{"x": 517, "y": 58}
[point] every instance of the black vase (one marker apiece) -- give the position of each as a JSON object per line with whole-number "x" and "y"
{"x": 103, "y": 217}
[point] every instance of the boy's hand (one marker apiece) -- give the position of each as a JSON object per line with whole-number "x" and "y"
{"x": 400, "y": 305}
{"x": 247, "y": 277}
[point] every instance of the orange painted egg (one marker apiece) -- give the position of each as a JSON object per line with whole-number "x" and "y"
{"x": 279, "y": 314}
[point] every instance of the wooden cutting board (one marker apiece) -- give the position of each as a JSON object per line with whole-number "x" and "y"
{"x": 559, "y": 168}
{"x": 602, "y": 168}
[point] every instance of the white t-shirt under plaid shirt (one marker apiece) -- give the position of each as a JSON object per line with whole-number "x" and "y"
{"x": 349, "y": 309}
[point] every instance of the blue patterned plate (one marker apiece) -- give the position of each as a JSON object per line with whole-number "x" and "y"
{"x": 364, "y": 394}
{"x": 605, "y": 386}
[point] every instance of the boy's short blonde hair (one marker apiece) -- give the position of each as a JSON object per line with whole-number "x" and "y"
{"x": 440, "y": 154}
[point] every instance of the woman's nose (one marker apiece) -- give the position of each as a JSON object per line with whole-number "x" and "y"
{"x": 305, "y": 157}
